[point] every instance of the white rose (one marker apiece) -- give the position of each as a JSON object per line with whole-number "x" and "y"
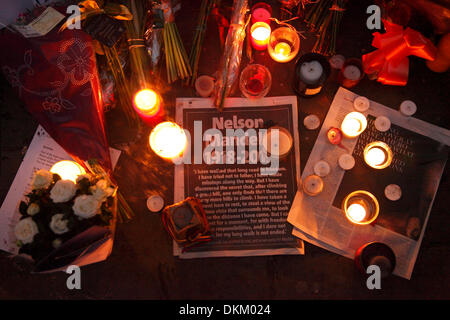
{"x": 56, "y": 243}
{"x": 86, "y": 206}
{"x": 58, "y": 224}
{"x": 63, "y": 191}
{"x": 42, "y": 179}
{"x": 102, "y": 190}
{"x": 25, "y": 230}
{"x": 33, "y": 208}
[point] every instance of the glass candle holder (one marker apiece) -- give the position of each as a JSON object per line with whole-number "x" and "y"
{"x": 378, "y": 155}
{"x": 361, "y": 207}
{"x": 260, "y": 34}
{"x": 255, "y": 81}
{"x": 284, "y": 44}
{"x": 376, "y": 253}
{"x": 168, "y": 140}
{"x": 353, "y": 124}
{"x": 261, "y": 12}
{"x": 351, "y": 73}
{"x": 311, "y": 72}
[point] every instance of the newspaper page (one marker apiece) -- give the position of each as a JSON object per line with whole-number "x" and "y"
{"x": 420, "y": 152}
{"x": 42, "y": 153}
{"x": 246, "y": 210}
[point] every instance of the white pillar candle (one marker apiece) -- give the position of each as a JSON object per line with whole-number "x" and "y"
{"x": 311, "y": 71}
{"x": 352, "y": 72}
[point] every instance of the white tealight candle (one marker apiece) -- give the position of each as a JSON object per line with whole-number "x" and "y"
{"x": 352, "y": 72}
{"x": 311, "y": 71}
{"x": 354, "y": 124}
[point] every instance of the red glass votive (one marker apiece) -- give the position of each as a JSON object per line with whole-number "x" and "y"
{"x": 260, "y": 34}
{"x": 261, "y": 12}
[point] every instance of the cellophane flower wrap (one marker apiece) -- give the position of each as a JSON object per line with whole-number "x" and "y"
{"x": 55, "y": 75}
{"x": 231, "y": 58}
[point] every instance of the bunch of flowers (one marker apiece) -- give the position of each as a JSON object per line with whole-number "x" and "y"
{"x": 57, "y": 210}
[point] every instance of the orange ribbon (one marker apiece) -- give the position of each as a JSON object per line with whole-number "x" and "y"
{"x": 390, "y": 60}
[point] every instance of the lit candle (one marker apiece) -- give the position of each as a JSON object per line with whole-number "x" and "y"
{"x": 260, "y": 32}
{"x": 147, "y": 104}
{"x": 261, "y": 12}
{"x": 284, "y": 44}
{"x": 68, "y": 170}
{"x": 282, "y": 51}
{"x": 354, "y": 124}
{"x": 378, "y": 155}
{"x": 361, "y": 207}
{"x": 168, "y": 140}
{"x": 356, "y": 212}
{"x": 310, "y": 72}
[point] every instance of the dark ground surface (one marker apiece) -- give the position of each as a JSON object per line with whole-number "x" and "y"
{"x": 142, "y": 266}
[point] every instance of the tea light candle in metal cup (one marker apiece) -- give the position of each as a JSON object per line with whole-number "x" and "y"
{"x": 255, "y": 81}
{"x": 353, "y": 124}
{"x": 260, "y": 34}
{"x": 67, "y": 170}
{"x": 311, "y": 72}
{"x": 361, "y": 207}
{"x": 284, "y": 44}
{"x": 168, "y": 140}
{"x": 261, "y": 12}
{"x": 378, "y": 155}
{"x": 351, "y": 73}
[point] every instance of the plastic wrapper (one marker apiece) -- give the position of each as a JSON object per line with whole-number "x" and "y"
{"x": 231, "y": 59}
{"x": 56, "y": 77}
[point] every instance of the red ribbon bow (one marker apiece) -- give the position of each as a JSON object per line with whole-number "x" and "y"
{"x": 390, "y": 60}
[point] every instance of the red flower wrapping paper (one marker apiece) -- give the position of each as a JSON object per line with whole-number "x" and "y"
{"x": 56, "y": 77}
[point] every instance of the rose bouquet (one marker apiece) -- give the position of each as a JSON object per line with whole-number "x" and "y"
{"x": 59, "y": 213}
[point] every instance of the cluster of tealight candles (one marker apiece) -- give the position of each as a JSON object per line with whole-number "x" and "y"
{"x": 361, "y": 207}
{"x": 282, "y": 43}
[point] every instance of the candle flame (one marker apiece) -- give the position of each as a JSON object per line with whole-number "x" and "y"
{"x": 147, "y": 101}
{"x": 356, "y": 212}
{"x": 168, "y": 140}
{"x": 375, "y": 156}
{"x": 261, "y": 33}
{"x": 282, "y": 49}
{"x": 354, "y": 124}
{"x": 68, "y": 170}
